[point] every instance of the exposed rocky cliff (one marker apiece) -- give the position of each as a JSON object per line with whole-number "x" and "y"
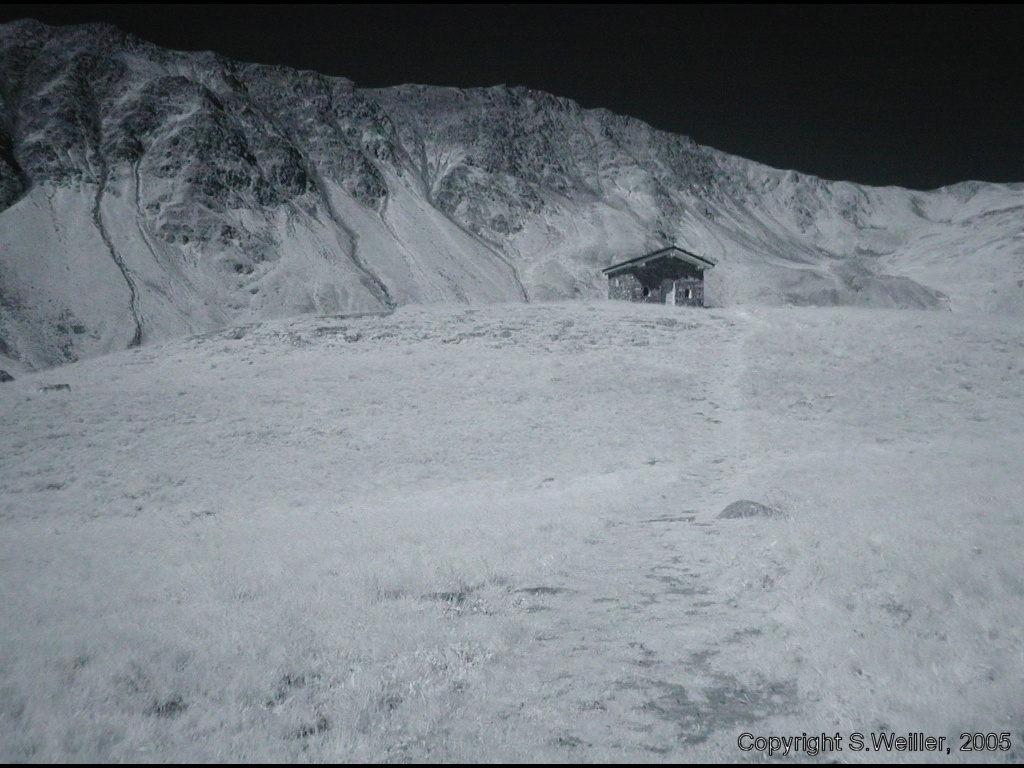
{"x": 146, "y": 193}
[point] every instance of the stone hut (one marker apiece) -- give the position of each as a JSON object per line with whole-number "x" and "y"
{"x": 669, "y": 276}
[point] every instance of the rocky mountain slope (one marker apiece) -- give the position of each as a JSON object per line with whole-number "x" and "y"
{"x": 146, "y": 193}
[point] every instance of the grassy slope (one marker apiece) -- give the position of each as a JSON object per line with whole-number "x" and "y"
{"x": 458, "y": 534}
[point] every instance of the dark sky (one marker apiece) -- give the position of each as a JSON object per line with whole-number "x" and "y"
{"x": 918, "y": 96}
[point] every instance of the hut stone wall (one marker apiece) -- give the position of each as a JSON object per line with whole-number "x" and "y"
{"x": 689, "y": 291}
{"x": 626, "y": 287}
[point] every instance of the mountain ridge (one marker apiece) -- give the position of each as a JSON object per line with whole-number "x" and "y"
{"x": 146, "y": 193}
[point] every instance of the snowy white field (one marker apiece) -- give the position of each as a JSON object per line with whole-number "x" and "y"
{"x": 488, "y": 534}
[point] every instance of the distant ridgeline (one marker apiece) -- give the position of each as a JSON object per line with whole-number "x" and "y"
{"x": 146, "y": 193}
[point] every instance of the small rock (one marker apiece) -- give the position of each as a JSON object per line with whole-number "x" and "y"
{"x": 745, "y": 508}
{"x": 5, "y": 376}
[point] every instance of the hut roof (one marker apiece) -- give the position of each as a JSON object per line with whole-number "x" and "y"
{"x": 665, "y": 254}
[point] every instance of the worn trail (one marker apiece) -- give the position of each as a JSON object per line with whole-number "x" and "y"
{"x": 492, "y": 532}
